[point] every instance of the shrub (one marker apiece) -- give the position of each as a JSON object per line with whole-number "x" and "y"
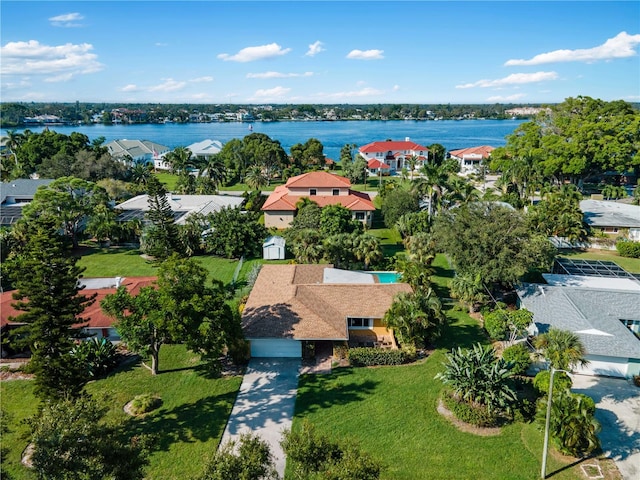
{"x": 410, "y": 352}
{"x": 519, "y": 358}
{"x": 561, "y": 382}
{"x": 145, "y": 403}
{"x": 495, "y": 323}
{"x": 636, "y": 380}
{"x": 628, "y": 248}
{"x": 472, "y": 413}
{"x": 99, "y": 356}
{"x": 366, "y": 357}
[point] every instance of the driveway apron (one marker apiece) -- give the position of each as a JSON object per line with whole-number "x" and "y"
{"x": 618, "y": 411}
{"x": 265, "y": 403}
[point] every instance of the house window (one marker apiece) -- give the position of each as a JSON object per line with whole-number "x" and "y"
{"x": 336, "y": 191}
{"x": 360, "y": 216}
{"x": 360, "y": 323}
{"x": 633, "y": 325}
{"x": 313, "y": 191}
{"x": 610, "y": 229}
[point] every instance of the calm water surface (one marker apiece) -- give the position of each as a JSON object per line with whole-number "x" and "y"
{"x": 333, "y": 135}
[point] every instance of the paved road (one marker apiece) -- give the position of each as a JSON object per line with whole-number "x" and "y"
{"x": 618, "y": 411}
{"x": 265, "y": 403}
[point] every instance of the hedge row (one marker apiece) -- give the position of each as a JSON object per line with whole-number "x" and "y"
{"x": 628, "y": 249}
{"x": 477, "y": 415}
{"x": 366, "y": 357}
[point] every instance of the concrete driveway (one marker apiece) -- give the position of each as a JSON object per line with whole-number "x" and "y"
{"x": 265, "y": 403}
{"x": 618, "y": 411}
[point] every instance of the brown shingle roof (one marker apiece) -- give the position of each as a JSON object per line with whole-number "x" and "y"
{"x": 290, "y": 301}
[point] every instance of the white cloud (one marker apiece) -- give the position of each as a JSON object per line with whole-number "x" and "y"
{"x": 275, "y": 92}
{"x": 67, "y": 20}
{"x": 202, "y": 79}
{"x": 31, "y": 57}
{"x": 632, "y": 98}
{"x": 169, "y": 85}
{"x": 278, "y": 75}
{"x": 63, "y": 77}
{"x": 364, "y": 92}
{"x": 365, "y": 54}
{"x": 620, "y": 46}
{"x": 250, "y": 54}
{"x": 314, "y": 49}
{"x": 161, "y": 44}
{"x": 129, "y": 88}
{"x": 396, "y": 88}
{"x": 513, "y": 79}
{"x": 508, "y": 98}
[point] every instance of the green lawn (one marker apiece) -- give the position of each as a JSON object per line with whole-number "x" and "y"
{"x": 631, "y": 265}
{"x": 169, "y": 179}
{"x": 123, "y": 262}
{"x": 188, "y": 426}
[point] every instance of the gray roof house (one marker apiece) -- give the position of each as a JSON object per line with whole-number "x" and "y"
{"x": 15, "y": 194}
{"x": 182, "y": 205}
{"x": 604, "y": 314}
{"x": 205, "y": 149}
{"x": 612, "y": 217}
{"x": 140, "y": 151}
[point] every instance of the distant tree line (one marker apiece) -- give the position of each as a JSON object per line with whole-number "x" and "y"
{"x": 12, "y": 114}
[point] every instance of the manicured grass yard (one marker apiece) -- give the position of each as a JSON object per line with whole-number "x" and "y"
{"x": 188, "y": 426}
{"x": 123, "y": 262}
{"x": 391, "y": 412}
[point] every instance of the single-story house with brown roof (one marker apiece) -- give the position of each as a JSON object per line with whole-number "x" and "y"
{"x": 293, "y": 305}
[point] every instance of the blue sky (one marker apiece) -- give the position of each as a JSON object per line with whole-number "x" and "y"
{"x": 319, "y": 52}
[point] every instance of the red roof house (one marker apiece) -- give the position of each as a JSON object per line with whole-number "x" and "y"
{"x": 394, "y": 153}
{"x": 323, "y": 188}
{"x": 471, "y": 158}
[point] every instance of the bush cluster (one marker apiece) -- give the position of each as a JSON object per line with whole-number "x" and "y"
{"x": 474, "y": 414}
{"x": 628, "y": 248}
{"x": 99, "y": 356}
{"x": 518, "y": 356}
{"x": 145, "y": 403}
{"x": 561, "y": 382}
{"x": 366, "y": 357}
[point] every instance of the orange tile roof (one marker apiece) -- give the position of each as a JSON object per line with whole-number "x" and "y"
{"x": 483, "y": 150}
{"x": 391, "y": 145}
{"x": 93, "y": 315}
{"x": 290, "y": 301}
{"x": 318, "y": 180}
{"x": 374, "y": 163}
{"x": 355, "y": 201}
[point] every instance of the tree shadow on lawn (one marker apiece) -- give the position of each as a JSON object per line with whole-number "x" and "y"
{"x": 459, "y": 334}
{"x": 195, "y": 422}
{"x": 316, "y": 392}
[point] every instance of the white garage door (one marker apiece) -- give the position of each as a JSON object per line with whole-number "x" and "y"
{"x": 601, "y": 365}
{"x": 276, "y": 347}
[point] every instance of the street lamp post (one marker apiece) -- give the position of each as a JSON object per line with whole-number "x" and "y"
{"x": 543, "y": 472}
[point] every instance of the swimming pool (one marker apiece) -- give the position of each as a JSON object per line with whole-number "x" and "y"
{"x": 387, "y": 277}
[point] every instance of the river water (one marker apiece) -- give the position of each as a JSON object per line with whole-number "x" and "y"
{"x": 451, "y": 134}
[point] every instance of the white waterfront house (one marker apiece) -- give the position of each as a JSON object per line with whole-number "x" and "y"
{"x": 393, "y": 154}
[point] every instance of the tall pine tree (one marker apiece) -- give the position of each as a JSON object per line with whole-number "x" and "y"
{"x": 46, "y": 279}
{"x": 161, "y": 236}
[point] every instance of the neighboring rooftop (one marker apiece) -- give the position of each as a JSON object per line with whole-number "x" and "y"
{"x": 182, "y": 205}
{"x": 593, "y": 314}
{"x": 318, "y": 180}
{"x": 603, "y": 213}
{"x": 205, "y": 148}
{"x": 22, "y": 189}
{"x": 387, "y": 145}
{"x": 586, "y": 281}
{"x": 483, "y": 151}
{"x": 593, "y": 268}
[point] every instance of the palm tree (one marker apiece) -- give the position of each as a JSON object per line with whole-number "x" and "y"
{"x": 462, "y": 192}
{"x": 367, "y": 249}
{"x": 140, "y": 173}
{"x": 468, "y": 289}
{"x": 215, "y": 170}
{"x": 412, "y": 161}
{"x": 416, "y": 317}
{"x": 562, "y": 349}
{"x": 432, "y": 185}
{"x": 255, "y": 177}
{"x": 307, "y": 246}
{"x": 179, "y": 159}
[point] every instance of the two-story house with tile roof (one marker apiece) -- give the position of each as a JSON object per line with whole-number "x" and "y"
{"x": 471, "y": 158}
{"x": 323, "y": 188}
{"x": 393, "y": 154}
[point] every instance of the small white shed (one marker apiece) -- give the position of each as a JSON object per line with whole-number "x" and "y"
{"x": 273, "y": 248}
